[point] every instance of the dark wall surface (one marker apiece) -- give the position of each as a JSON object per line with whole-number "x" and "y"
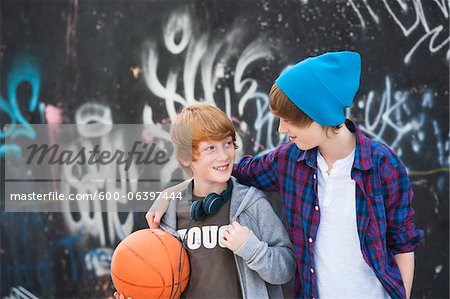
{"x": 141, "y": 61}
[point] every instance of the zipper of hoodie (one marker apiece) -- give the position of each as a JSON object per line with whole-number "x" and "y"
{"x": 241, "y": 280}
{"x": 240, "y": 274}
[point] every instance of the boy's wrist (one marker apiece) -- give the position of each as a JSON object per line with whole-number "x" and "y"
{"x": 249, "y": 248}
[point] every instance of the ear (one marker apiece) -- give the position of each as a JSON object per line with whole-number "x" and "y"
{"x": 185, "y": 163}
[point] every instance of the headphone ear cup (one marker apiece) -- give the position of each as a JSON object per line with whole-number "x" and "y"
{"x": 212, "y": 203}
{"x": 197, "y": 212}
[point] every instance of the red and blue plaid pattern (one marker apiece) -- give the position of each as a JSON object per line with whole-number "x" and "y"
{"x": 383, "y": 206}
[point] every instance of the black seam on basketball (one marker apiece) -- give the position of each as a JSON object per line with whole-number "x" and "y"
{"x": 155, "y": 269}
{"x": 170, "y": 262}
{"x": 150, "y": 265}
{"x": 133, "y": 284}
{"x": 141, "y": 286}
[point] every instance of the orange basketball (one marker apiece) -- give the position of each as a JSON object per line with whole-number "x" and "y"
{"x": 145, "y": 265}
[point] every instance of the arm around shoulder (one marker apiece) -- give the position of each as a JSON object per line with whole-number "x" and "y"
{"x": 162, "y": 203}
{"x": 260, "y": 171}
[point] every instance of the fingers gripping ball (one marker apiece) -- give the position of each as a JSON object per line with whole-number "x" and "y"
{"x": 145, "y": 265}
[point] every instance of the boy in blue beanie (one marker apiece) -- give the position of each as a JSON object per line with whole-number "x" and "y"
{"x": 346, "y": 198}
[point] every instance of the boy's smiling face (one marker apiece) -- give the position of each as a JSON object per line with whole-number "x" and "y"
{"x": 306, "y": 137}
{"x": 214, "y": 162}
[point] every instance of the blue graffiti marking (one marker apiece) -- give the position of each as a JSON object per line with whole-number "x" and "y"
{"x": 24, "y": 71}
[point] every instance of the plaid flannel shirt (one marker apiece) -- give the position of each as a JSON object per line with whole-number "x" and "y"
{"x": 383, "y": 206}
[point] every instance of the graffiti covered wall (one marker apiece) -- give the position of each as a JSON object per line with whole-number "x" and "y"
{"x": 140, "y": 62}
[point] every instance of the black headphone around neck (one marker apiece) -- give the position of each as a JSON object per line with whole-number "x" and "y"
{"x": 211, "y": 204}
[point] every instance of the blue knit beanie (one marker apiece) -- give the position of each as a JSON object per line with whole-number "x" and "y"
{"x": 323, "y": 86}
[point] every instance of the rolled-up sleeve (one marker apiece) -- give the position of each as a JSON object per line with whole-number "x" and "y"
{"x": 402, "y": 234}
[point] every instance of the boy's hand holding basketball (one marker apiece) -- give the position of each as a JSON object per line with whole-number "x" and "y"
{"x": 235, "y": 235}
{"x": 120, "y": 296}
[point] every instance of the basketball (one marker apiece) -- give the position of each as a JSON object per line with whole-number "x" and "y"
{"x": 145, "y": 265}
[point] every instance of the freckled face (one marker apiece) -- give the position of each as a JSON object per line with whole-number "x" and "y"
{"x": 215, "y": 162}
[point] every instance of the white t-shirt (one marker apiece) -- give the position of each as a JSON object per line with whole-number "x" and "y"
{"x": 339, "y": 265}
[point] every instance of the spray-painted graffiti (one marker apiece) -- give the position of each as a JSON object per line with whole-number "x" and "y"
{"x": 99, "y": 261}
{"x": 100, "y": 68}
{"x": 23, "y": 72}
{"x": 389, "y": 117}
{"x": 437, "y": 34}
{"x": 20, "y": 292}
{"x": 96, "y": 178}
{"x": 211, "y": 58}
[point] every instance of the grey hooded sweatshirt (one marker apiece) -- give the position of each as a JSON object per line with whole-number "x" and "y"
{"x": 266, "y": 259}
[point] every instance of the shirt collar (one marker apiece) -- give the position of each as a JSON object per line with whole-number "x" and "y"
{"x": 363, "y": 150}
{"x": 310, "y": 156}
